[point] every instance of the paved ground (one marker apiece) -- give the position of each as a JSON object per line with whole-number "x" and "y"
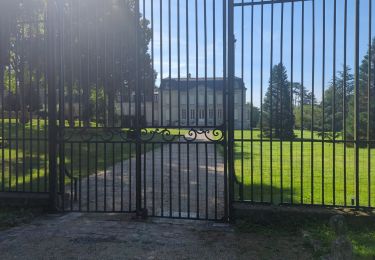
{"x": 185, "y": 180}
{"x": 117, "y": 236}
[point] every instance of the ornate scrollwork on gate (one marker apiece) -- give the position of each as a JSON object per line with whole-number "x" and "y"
{"x": 159, "y": 135}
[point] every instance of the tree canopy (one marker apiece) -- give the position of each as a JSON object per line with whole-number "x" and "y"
{"x": 96, "y": 44}
{"x": 278, "y": 117}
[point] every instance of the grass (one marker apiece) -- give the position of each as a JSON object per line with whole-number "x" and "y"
{"x": 25, "y": 153}
{"x": 301, "y": 172}
{"x": 298, "y": 172}
{"x": 360, "y": 231}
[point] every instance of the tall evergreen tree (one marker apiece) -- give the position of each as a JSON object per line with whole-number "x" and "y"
{"x": 366, "y": 113}
{"x": 334, "y": 111}
{"x": 278, "y": 116}
{"x": 308, "y": 98}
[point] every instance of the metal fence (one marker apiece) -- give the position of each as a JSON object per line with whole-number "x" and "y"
{"x": 178, "y": 108}
{"x": 311, "y": 88}
{"x": 24, "y": 122}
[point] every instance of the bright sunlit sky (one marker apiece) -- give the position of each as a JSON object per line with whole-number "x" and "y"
{"x": 166, "y": 63}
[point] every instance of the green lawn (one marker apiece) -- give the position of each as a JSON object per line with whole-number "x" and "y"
{"x": 296, "y": 173}
{"x": 26, "y": 159}
{"x": 314, "y": 231}
{"x": 286, "y": 181}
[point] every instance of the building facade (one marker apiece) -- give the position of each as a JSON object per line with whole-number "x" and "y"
{"x": 198, "y": 102}
{"x": 191, "y": 102}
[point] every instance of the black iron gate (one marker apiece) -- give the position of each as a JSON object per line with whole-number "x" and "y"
{"x": 141, "y": 106}
{"x": 141, "y": 120}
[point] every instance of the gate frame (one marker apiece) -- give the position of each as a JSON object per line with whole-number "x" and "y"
{"x": 56, "y": 150}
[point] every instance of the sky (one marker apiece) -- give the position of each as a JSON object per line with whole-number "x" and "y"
{"x": 201, "y": 45}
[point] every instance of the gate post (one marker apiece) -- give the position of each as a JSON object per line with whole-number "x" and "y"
{"x": 230, "y": 86}
{"x": 52, "y": 112}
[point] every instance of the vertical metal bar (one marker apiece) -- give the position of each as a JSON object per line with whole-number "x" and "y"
{"x": 214, "y": 97}
{"x": 88, "y": 177}
{"x": 356, "y": 100}
{"x": 22, "y": 86}
{"x": 281, "y": 101}
{"x": 10, "y": 115}
{"x": 344, "y": 106}
{"x": 79, "y": 24}
{"x": 153, "y": 179}
{"x": 161, "y": 108}
{"x": 197, "y": 179}
{"x": 302, "y": 93}
{"x": 38, "y": 76}
{"x": 312, "y": 102}
{"x": 187, "y": 104}
{"x": 230, "y": 89}
{"x": 153, "y": 106}
{"x": 271, "y": 109}
{"x": 113, "y": 177}
{"x": 188, "y": 179}
{"x": 205, "y": 61}
{"x": 31, "y": 116}
{"x": 122, "y": 174}
{"x": 73, "y": 191}
{"x": 138, "y": 126}
{"x": 369, "y": 103}
{"x": 241, "y": 192}
{"x": 152, "y": 64}
{"x": 187, "y": 65}
{"x": 252, "y": 103}
{"x": 170, "y": 103}
{"x": 17, "y": 118}
{"x": 196, "y": 65}
{"x": 80, "y": 175}
{"x": 130, "y": 173}
{"x": 2, "y": 89}
{"x": 206, "y": 155}
{"x": 52, "y": 115}
{"x": 179, "y": 104}
{"x": 61, "y": 93}
{"x": 105, "y": 175}
{"x": 261, "y": 99}
{"x": 225, "y": 142}
{"x": 323, "y": 90}
{"x": 161, "y": 64}
{"x": 291, "y": 99}
{"x": 334, "y": 107}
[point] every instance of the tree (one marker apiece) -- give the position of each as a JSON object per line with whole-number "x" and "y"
{"x": 308, "y": 98}
{"x": 338, "y": 91}
{"x": 253, "y": 115}
{"x": 307, "y": 119}
{"x": 278, "y": 116}
{"x": 20, "y": 59}
{"x": 101, "y": 52}
{"x": 366, "y": 113}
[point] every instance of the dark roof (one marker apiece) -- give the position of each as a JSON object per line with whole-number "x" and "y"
{"x": 183, "y": 83}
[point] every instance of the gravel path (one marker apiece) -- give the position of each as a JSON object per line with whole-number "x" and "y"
{"x": 185, "y": 180}
{"x": 117, "y": 236}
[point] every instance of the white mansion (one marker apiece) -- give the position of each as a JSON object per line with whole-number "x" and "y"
{"x": 199, "y": 102}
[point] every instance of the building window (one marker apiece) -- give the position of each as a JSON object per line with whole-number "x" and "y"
{"x": 219, "y": 113}
{"x": 156, "y": 97}
{"x": 183, "y": 114}
{"x": 192, "y": 114}
{"x": 210, "y": 113}
{"x": 201, "y": 114}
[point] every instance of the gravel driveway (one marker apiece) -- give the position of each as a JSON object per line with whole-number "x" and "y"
{"x": 118, "y": 236}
